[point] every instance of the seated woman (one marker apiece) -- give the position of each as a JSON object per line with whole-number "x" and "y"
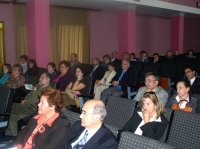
{"x": 16, "y": 79}
{"x": 63, "y": 78}
{"x": 183, "y": 100}
{"x": 51, "y": 68}
{"x": 78, "y": 86}
{"x": 105, "y": 82}
{"x": 32, "y": 68}
{"x": 49, "y": 128}
{"x": 7, "y": 69}
{"x": 149, "y": 121}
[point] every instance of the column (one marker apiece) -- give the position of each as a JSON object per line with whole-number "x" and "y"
{"x": 127, "y": 30}
{"x": 39, "y": 31}
{"x": 177, "y": 33}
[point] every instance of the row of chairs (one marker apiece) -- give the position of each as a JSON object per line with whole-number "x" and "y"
{"x": 182, "y": 132}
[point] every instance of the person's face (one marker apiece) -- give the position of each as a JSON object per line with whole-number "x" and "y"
{"x": 88, "y": 119}
{"x": 16, "y": 72}
{"x": 181, "y": 89}
{"x": 125, "y": 65}
{"x": 95, "y": 62}
{"x": 79, "y": 73}
{"x": 73, "y": 58}
{"x": 63, "y": 69}
{"x": 125, "y": 56}
{"x": 50, "y": 69}
{"x": 31, "y": 65}
{"x": 44, "y": 80}
{"x": 22, "y": 61}
{"x": 189, "y": 73}
{"x": 43, "y": 106}
{"x": 148, "y": 106}
{"x": 156, "y": 57}
{"x": 110, "y": 68}
{"x": 5, "y": 69}
{"x": 114, "y": 54}
{"x": 106, "y": 60}
{"x": 151, "y": 83}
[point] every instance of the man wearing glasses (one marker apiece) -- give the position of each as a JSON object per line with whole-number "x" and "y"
{"x": 151, "y": 85}
{"x": 89, "y": 132}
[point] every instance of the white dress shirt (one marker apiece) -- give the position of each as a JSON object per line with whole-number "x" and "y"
{"x": 192, "y": 81}
{"x": 182, "y": 105}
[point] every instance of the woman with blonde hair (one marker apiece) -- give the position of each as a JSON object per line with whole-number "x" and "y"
{"x": 149, "y": 121}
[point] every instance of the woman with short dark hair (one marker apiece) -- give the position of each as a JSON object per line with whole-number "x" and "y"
{"x": 49, "y": 129}
{"x": 7, "y": 70}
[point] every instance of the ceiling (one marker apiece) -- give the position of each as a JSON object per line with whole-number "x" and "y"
{"x": 115, "y": 5}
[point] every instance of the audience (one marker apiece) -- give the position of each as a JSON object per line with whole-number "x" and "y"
{"x": 7, "y": 70}
{"x": 49, "y": 129}
{"x": 169, "y": 55}
{"x": 119, "y": 82}
{"x": 126, "y": 56}
{"x": 183, "y": 100}
{"x": 156, "y": 58}
{"x": 143, "y": 57}
{"x": 64, "y": 77}
{"x": 74, "y": 62}
{"x": 89, "y": 132}
{"x": 149, "y": 121}
{"x": 151, "y": 85}
{"x": 77, "y": 86}
{"x": 132, "y": 58}
{"x": 16, "y": 79}
{"x": 190, "y": 54}
{"x": 27, "y": 106}
{"x": 191, "y": 76}
{"x": 96, "y": 73}
{"x": 105, "y": 82}
{"x": 114, "y": 58}
{"x": 32, "y": 68}
{"x": 23, "y": 60}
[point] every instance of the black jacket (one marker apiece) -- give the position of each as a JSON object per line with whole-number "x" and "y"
{"x": 54, "y": 137}
{"x": 195, "y": 88}
{"x": 102, "y": 139}
{"x": 153, "y": 130}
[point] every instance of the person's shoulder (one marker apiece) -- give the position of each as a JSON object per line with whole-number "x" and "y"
{"x": 142, "y": 89}
{"x": 163, "y": 118}
{"x": 62, "y": 119}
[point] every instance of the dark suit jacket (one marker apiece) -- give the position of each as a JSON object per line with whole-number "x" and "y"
{"x": 97, "y": 75}
{"x": 154, "y": 130}
{"x": 53, "y": 138}
{"x": 127, "y": 80}
{"x": 102, "y": 139}
{"x": 195, "y": 88}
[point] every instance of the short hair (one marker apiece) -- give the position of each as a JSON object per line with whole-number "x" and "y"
{"x": 156, "y": 54}
{"x": 54, "y": 98}
{"x": 191, "y": 68}
{"x": 19, "y": 67}
{"x": 154, "y": 98}
{"x": 107, "y": 56}
{"x": 74, "y": 54}
{"x": 96, "y": 58}
{"x": 64, "y": 62}
{"x": 186, "y": 83}
{"x": 127, "y": 60}
{"x": 33, "y": 62}
{"x": 47, "y": 74}
{"x": 152, "y": 74}
{"x": 25, "y": 57}
{"x": 100, "y": 109}
{"x": 9, "y": 67}
{"x": 53, "y": 65}
{"x": 111, "y": 64}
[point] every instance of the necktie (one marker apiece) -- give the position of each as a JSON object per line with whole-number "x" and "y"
{"x": 82, "y": 142}
{"x": 122, "y": 74}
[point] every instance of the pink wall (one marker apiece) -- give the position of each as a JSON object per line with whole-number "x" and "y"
{"x": 103, "y": 32}
{"x": 191, "y": 3}
{"x": 6, "y": 15}
{"x": 153, "y": 34}
{"x": 192, "y": 34}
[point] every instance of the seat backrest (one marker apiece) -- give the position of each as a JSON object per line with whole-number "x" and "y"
{"x": 164, "y": 83}
{"x": 119, "y": 111}
{"x": 185, "y": 130}
{"x": 168, "y": 115}
{"x": 112, "y": 128}
{"x": 150, "y": 67}
{"x": 6, "y": 95}
{"x": 130, "y": 140}
{"x": 72, "y": 116}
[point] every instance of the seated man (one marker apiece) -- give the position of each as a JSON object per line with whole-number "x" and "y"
{"x": 190, "y": 74}
{"x": 28, "y": 106}
{"x": 151, "y": 85}
{"x": 89, "y": 132}
{"x": 120, "y": 82}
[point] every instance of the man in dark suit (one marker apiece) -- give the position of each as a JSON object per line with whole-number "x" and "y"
{"x": 115, "y": 60}
{"x": 89, "y": 132}
{"x": 96, "y": 73}
{"x": 190, "y": 74}
{"x": 120, "y": 82}
{"x": 74, "y": 62}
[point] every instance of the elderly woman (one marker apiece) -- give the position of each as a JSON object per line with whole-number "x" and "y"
{"x": 64, "y": 77}
{"x": 183, "y": 101}
{"x": 77, "y": 86}
{"x": 16, "y": 79}
{"x": 105, "y": 82}
{"x": 149, "y": 121}
{"x": 49, "y": 128}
